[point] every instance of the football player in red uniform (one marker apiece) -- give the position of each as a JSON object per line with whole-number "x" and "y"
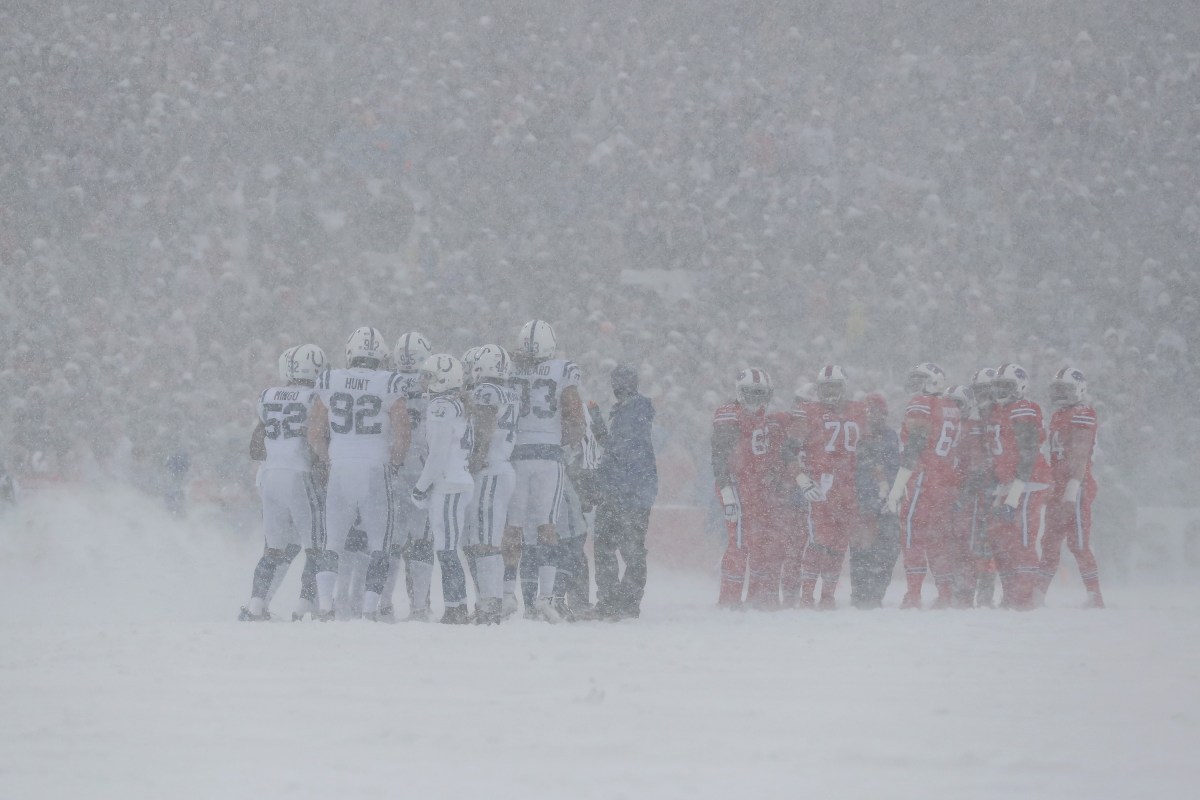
{"x": 1014, "y": 435}
{"x": 1072, "y": 490}
{"x": 926, "y": 486}
{"x": 748, "y": 464}
{"x": 827, "y": 433}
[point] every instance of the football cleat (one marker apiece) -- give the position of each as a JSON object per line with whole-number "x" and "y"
{"x": 508, "y": 606}
{"x": 455, "y": 615}
{"x": 418, "y": 615}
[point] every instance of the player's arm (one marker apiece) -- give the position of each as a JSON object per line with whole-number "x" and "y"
{"x": 572, "y": 416}
{"x": 401, "y": 430}
{"x": 258, "y": 443}
{"x": 1028, "y": 436}
{"x": 484, "y": 420}
{"x": 917, "y": 426}
{"x": 437, "y": 429}
{"x": 724, "y": 441}
{"x": 1081, "y": 438}
{"x": 318, "y": 430}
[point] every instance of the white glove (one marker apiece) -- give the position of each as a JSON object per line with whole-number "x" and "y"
{"x": 809, "y": 488}
{"x": 1071, "y": 491}
{"x": 1015, "y": 490}
{"x": 733, "y": 508}
{"x": 884, "y": 488}
{"x": 898, "y": 486}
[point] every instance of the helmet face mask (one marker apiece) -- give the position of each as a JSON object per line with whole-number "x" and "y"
{"x": 981, "y": 386}
{"x": 962, "y": 396}
{"x": 754, "y": 388}
{"x": 831, "y": 385}
{"x": 1068, "y": 388}
{"x": 926, "y": 378}
{"x": 1010, "y": 384}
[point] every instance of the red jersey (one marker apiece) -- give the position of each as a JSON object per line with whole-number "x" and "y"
{"x": 1072, "y": 427}
{"x": 938, "y": 459}
{"x": 1002, "y": 440}
{"x": 756, "y": 461}
{"x": 828, "y": 437}
{"x": 974, "y": 457}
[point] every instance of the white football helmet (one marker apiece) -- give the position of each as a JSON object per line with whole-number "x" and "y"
{"x": 468, "y": 365}
{"x": 441, "y": 373}
{"x": 926, "y": 378}
{"x": 366, "y": 344}
{"x": 961, "y": 395}
{"x": 304, "y": 362}
{"x": 831, "y": 384}
{"x": 754, "y": 387}
{"x": 536, "y": 341}
{"x": 981, "y": 385}
{"x": 1010, "y": 384}
{"x": 411, "y": 351}
{"x": 491, "y": 364}
{"x": 1068, "y": 388}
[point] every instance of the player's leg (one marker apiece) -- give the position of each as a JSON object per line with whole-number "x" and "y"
{"x": 811, "y": 557}
{"x": 495, "y": 492}
{"x": 446, "y": 518}
{"x": 844, "y": 512}
{"x": 276, "y": 533}
{"x": 378, "y": 517}
{"x": 520, "y": 564}
{"x": 943, "y": 559}
{"x": 981, "y": 554}
{"x": 1060, "y": 524}
{"x": 340, "y": 512}
{"x": 885, "y": 552}
{"x": 604, "y": 551}
{"x": 764, "y": 559}
{"x": 1080, "y": 545}
{"x": 572, "y": 535}
{"x": 912, "y": 546}
{"x": 546, "y": 488}
{"x": 1029, "y": 518}
{"x": 733, "y": 564}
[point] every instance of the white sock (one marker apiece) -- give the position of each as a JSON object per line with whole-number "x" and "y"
{"x": 304, "y": 607}
{"x": 491, "y": 575}
{"x": 546, "y": 576}
{"x": 326, "y": 582}
{"x": 256, "y": 606}
{"x": 389, "y": 586}
{"x": 422, "y": 576}
{"x": 370, "y": 602}
{"x": 510, "y": 586}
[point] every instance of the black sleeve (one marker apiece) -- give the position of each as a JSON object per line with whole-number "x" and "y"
{"x": 724, "y": 439}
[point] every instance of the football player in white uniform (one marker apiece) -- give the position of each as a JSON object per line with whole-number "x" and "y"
{"x": 291, "y": 499}
{"x": 444, "y": 486}
{"x": 494, "y": 407}
{"x": 409, "y": 540}
{"x": 360, "y": 427}
{"x": 551, "y": 418}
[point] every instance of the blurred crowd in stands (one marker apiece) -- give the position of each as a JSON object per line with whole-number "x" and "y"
{"x": 188, "y": 188}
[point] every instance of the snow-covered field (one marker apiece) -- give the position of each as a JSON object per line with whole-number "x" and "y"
{"x": 123, "y": 674}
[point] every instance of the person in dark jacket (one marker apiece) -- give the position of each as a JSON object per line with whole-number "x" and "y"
{"x": 627, "y": 483}
{"x": 876, "y": 544}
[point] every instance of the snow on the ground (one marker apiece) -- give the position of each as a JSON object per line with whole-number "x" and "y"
{"x": 123, "y": 675}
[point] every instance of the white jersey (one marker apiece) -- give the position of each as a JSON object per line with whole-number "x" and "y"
{"x": 449, "y": 435}
{"x": 284, "y": 412}
{"x": 507, "y": 404}
{"x": 415, "y": 400}
{"x": 359, "y": 400}
{"x": 541, "y": 385}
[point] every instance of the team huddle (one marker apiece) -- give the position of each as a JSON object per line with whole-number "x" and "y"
{"x": 962, "y": 493}
{"x": 406, "y": 456}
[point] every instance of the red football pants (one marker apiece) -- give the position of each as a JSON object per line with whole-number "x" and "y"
{"x": 926, "y": 533}
{"x": 757, "y": 547}
{"x": 828, "y": 525}
{"x": 1014, "y": 548}
{"x": 1071, "y": 522}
